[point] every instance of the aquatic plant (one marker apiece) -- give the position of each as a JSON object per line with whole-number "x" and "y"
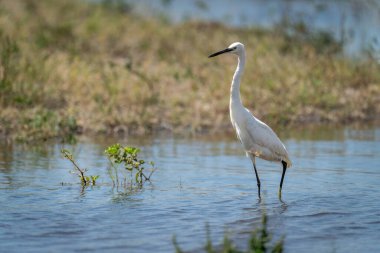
{"x": 85, "y": 180}
{"x": 117, "y": 155}
{"x": 260, "y": 241}
{"x": 128, "y": 157}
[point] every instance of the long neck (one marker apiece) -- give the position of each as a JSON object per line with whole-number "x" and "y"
{"x": 235, "y": 86}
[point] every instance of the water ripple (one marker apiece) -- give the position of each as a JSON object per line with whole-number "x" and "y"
{"x": 328, "y": 203}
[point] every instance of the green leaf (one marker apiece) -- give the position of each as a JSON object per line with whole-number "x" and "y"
{"x": 94, "y": 178}
{"x": 137, "y": 177}
{"x": 128, "y": 156}
{"x": 65, "y": 151}
{"x": 113, "y": 150}
{"x": 131, "y": 150}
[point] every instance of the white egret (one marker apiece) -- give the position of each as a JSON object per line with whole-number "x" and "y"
{"x": 258, "y": 139}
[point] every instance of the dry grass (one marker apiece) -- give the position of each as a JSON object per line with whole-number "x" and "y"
{"x": 70, "y": 67}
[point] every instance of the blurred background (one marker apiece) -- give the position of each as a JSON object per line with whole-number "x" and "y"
{"x": 354, "y": 24}
{"x": 86, "y": 74}
{"x": 122, "y": 67}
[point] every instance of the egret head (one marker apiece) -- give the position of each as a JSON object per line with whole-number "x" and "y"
{"x": 235, "y": 48}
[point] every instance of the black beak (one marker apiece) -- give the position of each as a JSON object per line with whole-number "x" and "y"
{"x": 220, "y": 52}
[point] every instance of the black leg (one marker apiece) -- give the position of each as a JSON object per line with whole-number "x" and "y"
{"x": 284, "y": 165}
{"x": 258, "y": 180}
{"x": 257, "y": 175}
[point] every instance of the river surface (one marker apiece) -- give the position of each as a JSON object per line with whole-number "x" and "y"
{"x": 330, "y": 202}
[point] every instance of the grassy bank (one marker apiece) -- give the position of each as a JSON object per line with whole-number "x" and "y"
{"x": 68, "y": 67}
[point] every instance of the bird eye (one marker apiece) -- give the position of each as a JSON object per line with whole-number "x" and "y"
{"x": 234, "y": 48}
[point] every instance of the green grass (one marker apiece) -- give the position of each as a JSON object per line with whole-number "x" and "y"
{"x": 72, "y": 67}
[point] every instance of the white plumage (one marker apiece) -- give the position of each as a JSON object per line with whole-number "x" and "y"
{"x": 258, "y": 139}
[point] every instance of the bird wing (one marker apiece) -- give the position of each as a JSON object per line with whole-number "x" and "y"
{"x": 262, "y": 135}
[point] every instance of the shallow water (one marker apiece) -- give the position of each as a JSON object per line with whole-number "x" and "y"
{"x": 330, "y": 196}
